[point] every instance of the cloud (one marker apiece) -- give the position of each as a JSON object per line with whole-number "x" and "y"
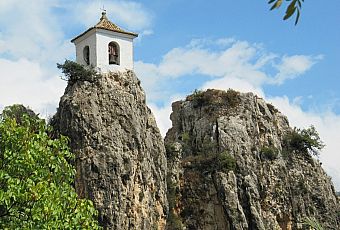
{"x": 162, "y": 117}
{"x": 225, "y": 63}
{"x": 32, "y": 31}
{"x": 33, "y": 38}
{"x": 233, "y": 83}
{"x": 244, "y": 67}
{"x": 235, "y": 59}
{"x": 327, "y": 124}
{"x": 32, "y": 41}
{"x": 25, "y": 82}
{"x": 124, "y": 13}
{"x": 293, "y": 66}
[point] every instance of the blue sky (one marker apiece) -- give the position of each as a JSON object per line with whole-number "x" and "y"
{"x": 187, "y": 45}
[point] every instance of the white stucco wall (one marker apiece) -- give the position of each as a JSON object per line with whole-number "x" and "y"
{"x": 98, "y": 41}
{"x": 89, "y": 39}
{"x": 125, "y": 43}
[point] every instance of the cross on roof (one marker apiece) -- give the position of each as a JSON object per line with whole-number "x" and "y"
{"x": 103, "y": 9}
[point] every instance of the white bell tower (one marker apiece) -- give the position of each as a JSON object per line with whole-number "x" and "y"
{"x": 105, "y": 46}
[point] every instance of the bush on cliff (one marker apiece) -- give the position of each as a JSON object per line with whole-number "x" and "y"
{"x": 304, "y": 140}
{"x": 75, "y": 72}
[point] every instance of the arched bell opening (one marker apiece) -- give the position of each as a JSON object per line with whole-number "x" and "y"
{"x": 86, "y": 55}
{"x": 114, "y": 58}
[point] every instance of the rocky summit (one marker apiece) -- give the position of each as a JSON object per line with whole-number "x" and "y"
{"x": 230, "y": 166}
{"x": 120, "y": 154}
{"x": 230, "y": 160}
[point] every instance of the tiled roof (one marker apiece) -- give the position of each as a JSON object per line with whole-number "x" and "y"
{"x": 105, "y": 24}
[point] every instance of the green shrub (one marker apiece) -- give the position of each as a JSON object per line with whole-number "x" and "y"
{"x": 200, "y": 162}
{"x": 197, "y": 97}
{"x": 312, "y": 223}
{"x": 185, "y": 137}
{"x": 304, "y": 140}
{"x": 16, "y": 112}
{"x": 269, "y": 153}
{"x": 212, "y": 162}
{"x": 186, "y": 143}
{"x": 230, "y": 98}
{"x": 226, "y": 162}
{"x": 75, "y": 72}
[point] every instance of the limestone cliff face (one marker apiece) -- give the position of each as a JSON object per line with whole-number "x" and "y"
{"x": 120, "y": 155}
{"x": 228, "y": 168}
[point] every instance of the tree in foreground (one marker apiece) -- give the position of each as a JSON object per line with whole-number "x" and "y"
{"x": 36, "y": 178}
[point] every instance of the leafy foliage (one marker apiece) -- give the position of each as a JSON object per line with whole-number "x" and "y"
{"x": 305, "y": 140}
{"x": 16, "y": 111}
{"x": 197, "y": 97}
{"x": 75, "y": 72}
{"x": 294, "y": 6}
{"x": 226, "y": 162}
{"x": 269, "y": 153}
{"x": 212, "y": 162}
{"x": 312, "y": 223}
{"x": 36, "y": 179}
{"x": 230, "y": 98}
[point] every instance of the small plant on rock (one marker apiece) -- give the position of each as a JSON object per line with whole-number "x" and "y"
{"x": 312, "y": 223}
{"x": 269, "y": 152}
{"x": 197, "y": 97}
{"x": 75, "y": 72}
{"x": 226, "y": 162}
{"x": 304, "y": 140}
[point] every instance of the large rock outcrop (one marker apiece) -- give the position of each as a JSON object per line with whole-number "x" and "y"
{"x": 229, "y": 168}
{"x": 120, "y": 155}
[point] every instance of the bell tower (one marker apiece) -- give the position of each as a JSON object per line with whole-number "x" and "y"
{"x": 105, "y": 46}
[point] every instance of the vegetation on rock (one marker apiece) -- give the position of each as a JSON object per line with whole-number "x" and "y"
{"x": 243, "y": 167}
{"x": 312, "y": 223}
{"x": 36, "y": 180}
{"x": 269, "y": 152}
{"x": 75, "y": 72}
{"x": 304, "y": 140}
{"x": 231, "y": 98}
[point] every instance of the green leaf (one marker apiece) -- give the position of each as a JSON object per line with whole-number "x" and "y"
{"x": 36, "y": 177}
{"x": 297, "y": 17}
{"x": 299, "y": 3}
{"x": 276, "y": 5}
{"x": 290, "y": 11}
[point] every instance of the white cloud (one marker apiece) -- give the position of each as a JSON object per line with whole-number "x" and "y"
{"x": 328, "y": 126}
{"x": 238, "y": 60}
{"x": 31, "y": 31}
{"x": 162, "y": 117}
{"x": 242, "y": 66}
{"x": 125, "y": 13}
{"x": 293, "y": 66}
{"x": 233, "y": 83}
{"x": 237, "y": 64}
{"x": 32, "y": 40}
{"x": 25, "y": 82}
